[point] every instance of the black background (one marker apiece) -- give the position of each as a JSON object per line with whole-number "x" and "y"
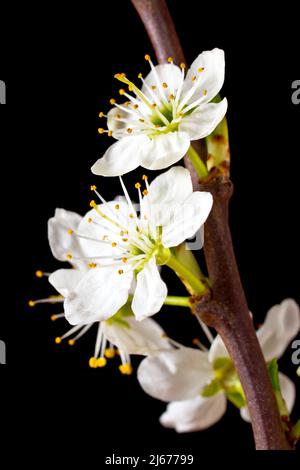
{"x": 58, "y": 66}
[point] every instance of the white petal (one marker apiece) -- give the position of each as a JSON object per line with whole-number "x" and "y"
{"x": 102, "y": 228}
{"x": 60, "y": 241}
{"x": 282, "y": 323}
{"x": 164, "y": 150}
{"x": 167, "y": 73}
{"x": 203, "y": 120}
{"x": 145, "y": 337}
{"x": 66, "y": 280}
{"x": 174, "y": 185}
{"x": 186, "y": 219}
{"x": 114, "y": 124}
{"x": 150, "y": 291}
{"x": 217, "y": 350}
{"x": 288, "y": 391}
{"x": 123, "y": 156}
{"x": 175, "y": 375}
{"x": 212, "y": 77}
{"x": 194, "y": 415}
{"x": 98, "y": 296}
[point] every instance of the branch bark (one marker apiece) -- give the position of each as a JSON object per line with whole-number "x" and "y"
{"x": 227, "y": 311}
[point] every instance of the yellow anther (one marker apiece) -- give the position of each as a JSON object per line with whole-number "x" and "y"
{"x": 131, "y": 216}
{"x": 119, "y": 76}
{"x": 31, "y": 303}
{"x": 165, "y": 85}
{"x": 125, "y": 239}
{"x": 121, "y": 271}
{"x": 140, "y": 75}
{"x": 130, "y": 87}
{"x": 153, "y": 87}
{"x": 122, "y": 91}
{"x": 113, "y": 244}
{"x": 182, "y": 65}
{"x": 124, "y": 259}
{"x": 92, "y": 265}
{"x": 196, "y": 341}
{"x": 145, "y": 192}
{"x": 205, "y": 92}
{"x": 101, "y": 130}
{"x": 125, "y": 369}
{"x": 53, "y": 317}
{"x": 93, "y": 362}
{"x": 129, "y": 130}
{"x": 127, "y": 103}
{"x": 153, "y": 106}
{"x": 201, "y": 69}
{"x": 112, "y": 101}
{"x": 117, "y": 206}
{"x": 57, "y": 340}
{"x": 39, "y": 273}
{"x": 147, "y": 57}
{"x": 71, "y": 342}
{"x": 69, "y": 256}
{"x": 142, "y": 120}
{"x": 170, "y": 60}
{"x": 93, "y": 187}
{"x": 110, "y": 133}
{"x": 110, "y": 353}
{"x": 194, "y": 78}
{"x": 137, "y": 185}
{"x": 118, "y": 116}
{"x": 101, "y": 362}
{"x": 70, "y": 231}
{"x": 90, "y": 220}
{"x": 135, "y": 106}
{"x": 145, "y": 177}
{"x": 171, "y": 97}
{"x": 101, "y": 114}
{"x": 93, "y": 203}
{"x": 157, "y": 126}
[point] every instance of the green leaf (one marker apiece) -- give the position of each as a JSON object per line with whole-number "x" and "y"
{"x": 211, "y": 389}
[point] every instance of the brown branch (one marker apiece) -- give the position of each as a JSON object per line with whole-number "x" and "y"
{"x": 227, "y": 311}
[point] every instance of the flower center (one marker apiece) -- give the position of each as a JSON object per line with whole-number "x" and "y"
{"x": 226, "y": 380}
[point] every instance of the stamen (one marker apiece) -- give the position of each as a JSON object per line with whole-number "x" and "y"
{"x": 110, "y": 353}
{"x": 53, "y": 299}
{"x": 41, "y": 274}
{"x": 126, "y": 369}
{"x": 170, "y": 60}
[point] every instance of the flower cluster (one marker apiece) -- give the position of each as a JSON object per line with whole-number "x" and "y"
{"x": 119, "y": 249}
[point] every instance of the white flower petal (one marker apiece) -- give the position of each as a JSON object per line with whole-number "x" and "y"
{"x": 174, "y": 185}
{"x": 150, "y": 291}
{"x": 169, "y": 74}
{"x": 217, "y": 350}
{"x": 98, "y": 296}
{"x": 175, "y": 375}
{"x": 114, "y": 124}
{"x": 212, "y": 77}
{"x": 164, "y": 150}
{"x": 145, "y": 337}
{"x": 123, "y": 156}
{"x": 194, "y": 415}
{"x": 288, "y": 391}
{"x": 203, "y": 120}
{"x": 66, "y": 280}
{"x": 60, "y": 241}
{"x": 186, "y": 219}
{"x": 282, "y": 323}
